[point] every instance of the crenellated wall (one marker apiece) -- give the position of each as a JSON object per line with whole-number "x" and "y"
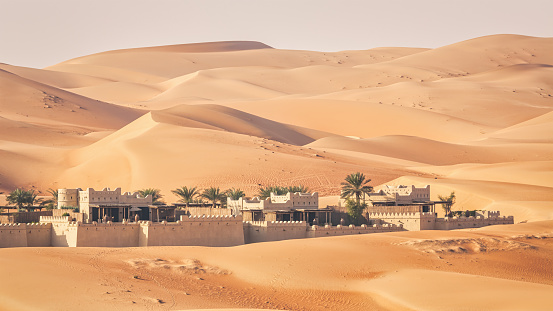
{"x": 409, "y": 221}
{"x": 215, "y": 230}
{"x": 265, "y": 231}
{"x": 429, "y": 221}
{"x": 107, "y": 234}
{"x": 194, "y": 231}
{"x": 472, "y": 222}
{"x": 277, "y": 202}
{"x": 320, "y": 231}
{"x": 23, "y": 235}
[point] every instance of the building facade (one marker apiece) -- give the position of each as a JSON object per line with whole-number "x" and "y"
{"x": 106, "y": 203}
{"x": 288, "y": 207}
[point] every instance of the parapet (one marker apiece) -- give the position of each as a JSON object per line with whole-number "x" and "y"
{"x": 400, "y": 215}
{"x": 204, "y": 218}
{"x": 276, "y": 223}
{"x": 54, "y": 219}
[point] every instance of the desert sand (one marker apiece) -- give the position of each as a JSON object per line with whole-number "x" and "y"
{"x": 474, "y": 117}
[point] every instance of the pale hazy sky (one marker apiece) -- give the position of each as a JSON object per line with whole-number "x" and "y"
{"x": 39, "y": 33}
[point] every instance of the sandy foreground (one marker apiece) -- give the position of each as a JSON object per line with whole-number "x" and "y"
{"x": 474, "y": 117}
{"x": 494, "y": 268}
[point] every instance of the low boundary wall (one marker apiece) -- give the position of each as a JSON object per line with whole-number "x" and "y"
{"x": 471, "y": 222}
{"x": 429, "y": 221}
{"x": 194, "y": 231}
{"x": 203, "y": 231}
{"x": 23, "y": 235}
{"x": 265, "y": 231}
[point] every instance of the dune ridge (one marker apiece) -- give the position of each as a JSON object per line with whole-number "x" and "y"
{"x": 474, "y": 117}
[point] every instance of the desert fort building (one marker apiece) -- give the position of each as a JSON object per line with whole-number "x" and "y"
{"x": 288, "y": 207}
{"x": 98, "y": 204}
{"x": 110, "y": 218}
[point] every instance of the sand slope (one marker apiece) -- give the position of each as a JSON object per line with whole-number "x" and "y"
{"x": 391, "y": 271}
{"x": 474, "y": 110}
{"x": 474, "y": 117}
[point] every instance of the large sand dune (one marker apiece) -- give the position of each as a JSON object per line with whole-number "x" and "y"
{"x": 474, "y": 117}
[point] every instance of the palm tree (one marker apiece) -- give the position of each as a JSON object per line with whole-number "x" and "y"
{"x": 54, "y": 193}
{"x": 449, "y": 201}
{"x": 20, "y": 197}
{"x": 213, "y": 194}
{"x": 186, "y": 194}
{"x": 266, "y": 192}
{"x": 300, "y": 188}
{"x": 235, "y": 194}
{"x": 155, "y": 193}
{"x": 50, "y": 203}
{"x": 355, "y": 185}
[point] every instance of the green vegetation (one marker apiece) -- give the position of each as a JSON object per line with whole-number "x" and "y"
{"x": 355, "y": 186}
{"x": 186, "y": 194}
{"x": 214, "y": 194}
{"x": 355, "y": 210}
{"x": 50, "y": 204}
{"x": 155, "y": 193}
{"x": 235, "y": 194}
{"x": 265, "y": 192}
{"x": 449, "y": 201}
{"x": 300, "y": 188}
{"x": 23, "y": 198}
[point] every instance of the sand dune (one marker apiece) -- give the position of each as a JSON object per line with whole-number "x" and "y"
{"x": 30, "y": 101}
{"x": 426, "y": 151}
{"x": 294, "y": 274}
{"x": 474, "y": 117}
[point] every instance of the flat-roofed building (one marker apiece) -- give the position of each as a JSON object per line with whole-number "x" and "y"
{"x": 106, "y": 203}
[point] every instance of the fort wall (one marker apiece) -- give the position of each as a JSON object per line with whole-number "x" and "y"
{"x": 208, "y": 211}
{"x": 471, "y": 222}
{"x": 320, "y": 231}
{"x": 23, "y": 235}
{"x": 39, "y": 235}
{"x": 409, "y": 221}
{"x": 265, "y": 231}
{"x": 429, "y": 221}
{"x": 13, "y": 235}
{"x": 194, "y": 231}
{"x": 106, "y": 234}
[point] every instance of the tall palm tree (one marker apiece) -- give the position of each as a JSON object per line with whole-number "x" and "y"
{"x": 186, "y": 194}
{"x": 355, "y": 185}
{"x": 155, "y": 193}
{"x": 54, "y": 193}
{"x": 213, "y": 194}
{"x": 235, "y": 194}
{"x": 449, "y": 201}
{"x": 50, "y": 203}
{"x": 20, "y": 198}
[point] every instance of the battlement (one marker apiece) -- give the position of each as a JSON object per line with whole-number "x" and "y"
{"x": 301, "y": 224}
{"x": 185, "y": 218}
{"x": 52, "y": 219}
{"x": 402, "y": 215}
{"x": 23, "y": 235}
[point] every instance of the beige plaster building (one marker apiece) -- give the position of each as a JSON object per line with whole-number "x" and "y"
{"x": 411, "y": 208}
{"x": 289, "y": 207}
{"x": 97, "y": 204}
